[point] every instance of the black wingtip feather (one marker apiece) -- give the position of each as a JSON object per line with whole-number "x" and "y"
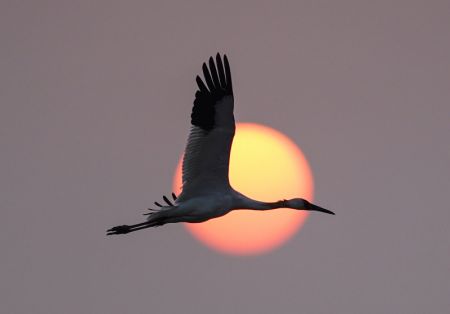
{"x": 201, "y": 85}
{"x": 215, "y": 77}
{"x": 218, "y": 85}
{"x": 228, "y": 74}
{"x": 207, "y": 76}
{"x": 221, "y": 71}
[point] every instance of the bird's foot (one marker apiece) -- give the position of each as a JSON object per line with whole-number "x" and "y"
{"x": 123, "y": 229}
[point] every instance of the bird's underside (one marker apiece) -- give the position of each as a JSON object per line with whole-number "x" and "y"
{"x": 206, "y": 191}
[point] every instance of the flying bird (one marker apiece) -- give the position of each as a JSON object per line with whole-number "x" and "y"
{"x": 206, "y": 190}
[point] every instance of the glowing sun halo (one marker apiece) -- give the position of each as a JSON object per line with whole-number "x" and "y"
{"x": 265, "y": 165}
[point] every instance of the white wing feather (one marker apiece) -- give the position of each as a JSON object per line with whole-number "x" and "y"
{"x": 207, "y": 154}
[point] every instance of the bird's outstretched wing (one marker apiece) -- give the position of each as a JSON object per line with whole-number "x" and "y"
{"x": 207, "y": 154}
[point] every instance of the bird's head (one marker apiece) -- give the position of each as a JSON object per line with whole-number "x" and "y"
{"x": 302, "y": 204}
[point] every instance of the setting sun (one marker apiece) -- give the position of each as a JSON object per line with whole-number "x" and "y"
{"x": 266, "y": 165}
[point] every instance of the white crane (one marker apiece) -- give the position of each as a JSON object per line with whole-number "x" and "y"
{"x": 207, "y": 192}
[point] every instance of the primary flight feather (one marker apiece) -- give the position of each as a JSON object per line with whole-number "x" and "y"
{"x": 206, "y": 191}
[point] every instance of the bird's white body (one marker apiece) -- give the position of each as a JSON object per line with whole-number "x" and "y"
{"x": 207, "y": 192}
{"x": 202, "y": 208}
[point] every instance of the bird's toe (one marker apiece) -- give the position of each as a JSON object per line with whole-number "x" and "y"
{"x": 123, "y": 229}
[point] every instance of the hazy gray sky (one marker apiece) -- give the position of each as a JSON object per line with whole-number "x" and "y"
{"x": 95, "y": 98}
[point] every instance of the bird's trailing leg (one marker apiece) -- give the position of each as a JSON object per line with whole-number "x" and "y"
{"x": 124, "y": 229}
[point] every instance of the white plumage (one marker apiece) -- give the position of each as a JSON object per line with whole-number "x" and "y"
{"x": 206, "y": 192}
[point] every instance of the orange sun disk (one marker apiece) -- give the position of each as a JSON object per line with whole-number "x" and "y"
{"x": 264, "y": 165}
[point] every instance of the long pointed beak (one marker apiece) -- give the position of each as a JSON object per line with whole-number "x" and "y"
{"x": 320, "y": 209}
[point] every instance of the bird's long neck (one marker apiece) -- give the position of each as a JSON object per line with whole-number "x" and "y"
{"x": 244, "y": 202}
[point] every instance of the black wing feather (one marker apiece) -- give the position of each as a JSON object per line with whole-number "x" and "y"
{"x": 221, "y": 71}
{"x": 212, "y": 68}
{"x": 228, "y": 74}
{"x": 207, "y": 76}
{"x": 218, "y": 85}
